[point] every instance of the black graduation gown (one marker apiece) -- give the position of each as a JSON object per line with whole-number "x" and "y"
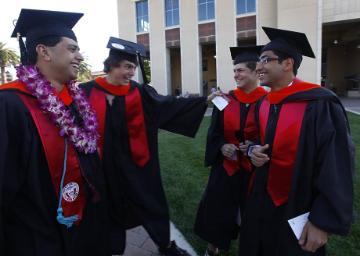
{"x": 28, "y": 201}
{"x": 218, "y": 209}
{"x": 136, "y": 194}
{"x": 321, "y": 182}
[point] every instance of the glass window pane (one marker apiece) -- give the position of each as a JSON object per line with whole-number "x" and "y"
{"x": 168, "y": 19}
{"x": 145, "y": 25}
{"x": 202, "y": 1}
{"x": 211, "y": 11}
{"x": 202, "y": 12}
{"x": 138, "y": 10}
{"x": 176, "y": 17}
{"x": 251, "y": 5}
{"x": 167, "y": 4}
{"x": 145, "y": 8}
{"x": 175, "y": 4}
{"x": 138, "y": 25}
{"x": 240, "y": 8}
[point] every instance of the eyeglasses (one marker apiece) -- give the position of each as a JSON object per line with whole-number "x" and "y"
{"x": 266, "y": 60}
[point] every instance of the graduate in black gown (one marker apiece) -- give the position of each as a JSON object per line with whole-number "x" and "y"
{"x": 130, "y": 117}
{"x": 231, "y": 130}
{"x": 51, "y": 185}
{"x": 305, "y": 161}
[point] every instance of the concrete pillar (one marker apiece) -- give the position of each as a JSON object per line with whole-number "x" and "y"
{"x": 127, "y": 26}
{"x": 190, "y": 50}
{"x": 158, "y": 51}
{"x": 304, "y": 16}
{"x": 225, "y": 28}
{"x": 266, "y": 15}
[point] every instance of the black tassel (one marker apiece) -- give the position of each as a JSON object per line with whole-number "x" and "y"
{"x": 23, "y": 52}
{"x": 141, "y": 63}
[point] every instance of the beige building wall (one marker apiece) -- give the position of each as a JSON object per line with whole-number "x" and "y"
{"x": 189, "y": 47}
{"x": 158, "y": 52}
{"x": 225, "y": 27}
{"x": 303, "y": 16}
{"x": 338, "y": 10}
{"x": 127, "y": 20}
{"x": 266, "y": 15}
{"x": 127, "y": 26}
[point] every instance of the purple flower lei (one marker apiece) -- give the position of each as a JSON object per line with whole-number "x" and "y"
{"x": 83, "y": 138}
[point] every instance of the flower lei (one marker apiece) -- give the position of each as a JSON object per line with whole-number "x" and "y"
{"x": 83, "y": 138}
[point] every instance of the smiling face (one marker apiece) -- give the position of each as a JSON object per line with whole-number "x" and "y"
{"x": 269, "y": 69}
{"x": 64, "y": 59}
{"x": 122, "y": 73}
{"x": 245, "y": 77}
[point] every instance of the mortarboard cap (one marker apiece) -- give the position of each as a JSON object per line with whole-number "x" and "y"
{"x": 289, "y": 42}
{"x": 130, "y": 51}
{"x": 245, "y": 53}
{"x": 37, "y": 24}
{"x": 123, "y": 46}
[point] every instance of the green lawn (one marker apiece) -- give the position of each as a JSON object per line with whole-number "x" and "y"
{"x": 185, "y": 178}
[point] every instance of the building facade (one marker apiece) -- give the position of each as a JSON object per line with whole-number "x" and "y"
{"x": 188, "y": 40}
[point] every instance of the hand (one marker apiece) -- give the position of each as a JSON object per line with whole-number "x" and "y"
{"x": 244, "y": 146}
{"x": 214, "y": 94}
{"x": 312, "y": 238}
{"x": 228, "y": 150}
{"x": 258, "y": 158}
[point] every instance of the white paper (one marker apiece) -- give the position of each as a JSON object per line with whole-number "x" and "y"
{"x": 220, "y": 102}
{"x": 297, "y": 224}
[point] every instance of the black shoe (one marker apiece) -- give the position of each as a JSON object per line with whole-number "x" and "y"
{"x": 173, "y": 250}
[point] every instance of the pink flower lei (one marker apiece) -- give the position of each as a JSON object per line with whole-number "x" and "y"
{"x": 83, "y": 138}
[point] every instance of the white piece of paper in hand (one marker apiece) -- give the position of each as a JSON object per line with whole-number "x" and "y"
{"x": 220, "y": 102}
{"x": 297, "y": 224}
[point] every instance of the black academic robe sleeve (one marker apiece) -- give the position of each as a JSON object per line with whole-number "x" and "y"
{"x": 12, "y": 160}
{"x": 3, "y": 145}
{"x": 215, "y": 138}
{"x": 177, "y": 115}
{"x": 332, "y": 208}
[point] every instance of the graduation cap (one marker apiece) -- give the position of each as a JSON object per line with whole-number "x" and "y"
{"x": 130, "y": 49}
{"x": 124, "y": 46}
{"x": 37, "y": 24}
{"x": 295, "y": 44}
{"x": 245, "y": 53}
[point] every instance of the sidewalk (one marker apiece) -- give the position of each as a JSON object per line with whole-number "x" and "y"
{"x": 351, "y": 104}
{"x": 140, "y": 244}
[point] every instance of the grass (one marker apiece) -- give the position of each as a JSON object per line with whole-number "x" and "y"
{"x": 185, "y": 177}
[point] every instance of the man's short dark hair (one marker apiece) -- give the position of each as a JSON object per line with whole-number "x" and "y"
{"x": 283, "y": 56}
{"x": 47, "y": 41}
{"x": 115, "y": 57}
{"x": 249, "y": 64}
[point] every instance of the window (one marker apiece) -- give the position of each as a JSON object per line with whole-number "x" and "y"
{"x": 142, "y": 16}
{"x": 206, "y": 9}
{"x": 171, "y": 12}
{"x": 245, "y": 6}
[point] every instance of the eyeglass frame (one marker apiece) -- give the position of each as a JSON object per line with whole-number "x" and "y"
{"x": 266, "y": 60}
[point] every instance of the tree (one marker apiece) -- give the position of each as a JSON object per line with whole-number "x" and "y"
{"x": 147, "y": 69}
{"x": 84, "y": 74}
{"x": 8, "y": 57}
